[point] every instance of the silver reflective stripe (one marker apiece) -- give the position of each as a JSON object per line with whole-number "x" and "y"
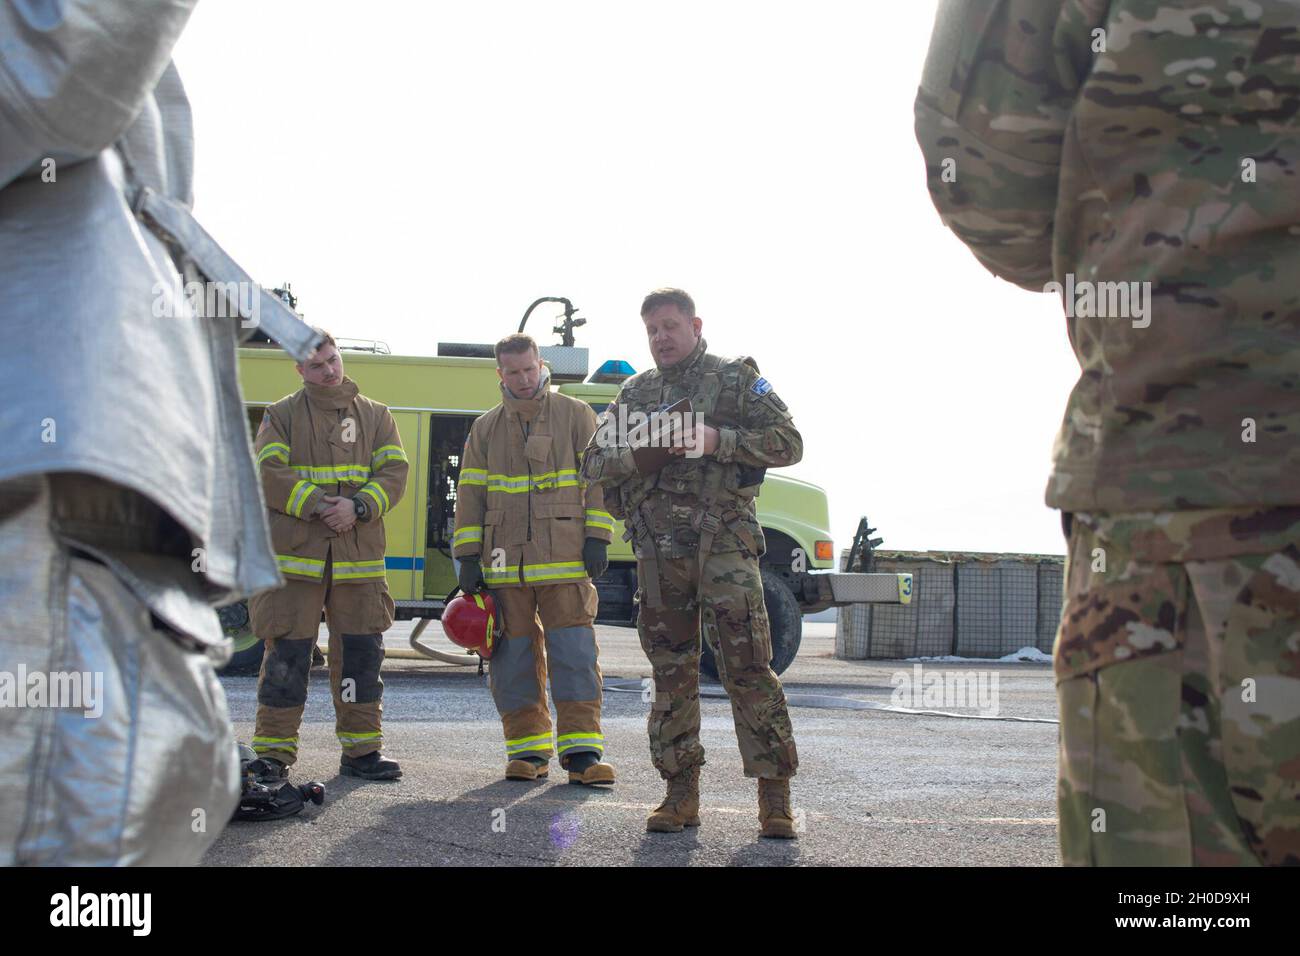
{"x": 262, "y": 744}
{"x": 540, "y": 744}
{"x": 555, "y": 572}
{"x": 344, "y": 570}
{"x": 357, "y": 474}
{"x": 497, "y": 575}
{"x": 467, "y": 535}
{"x": 308, "y": 567}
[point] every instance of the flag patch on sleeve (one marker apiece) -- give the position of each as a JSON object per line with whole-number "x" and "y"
{"x": 761, "y": 387}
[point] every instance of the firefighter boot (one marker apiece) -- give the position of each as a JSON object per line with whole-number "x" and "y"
{"x": 681, "y": 807}
{"x": 774, "y": 813}
{"x": 267, "y": 770}
{"x": 528, "y": 768}
{"x": 587, "y": 768}
{"x": 373, "y": 766}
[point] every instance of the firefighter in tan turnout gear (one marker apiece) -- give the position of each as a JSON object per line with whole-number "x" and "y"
{"x": 529, "y": 530}
{"x": 332, "y": 466}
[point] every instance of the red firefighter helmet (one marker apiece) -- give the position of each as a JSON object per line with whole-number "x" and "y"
{"x": 471, "y": 621}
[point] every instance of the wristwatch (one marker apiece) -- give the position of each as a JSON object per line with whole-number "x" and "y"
{"x": 363, "y": 509}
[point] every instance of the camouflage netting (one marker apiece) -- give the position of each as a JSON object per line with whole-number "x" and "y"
{"x": 969, "y": 604}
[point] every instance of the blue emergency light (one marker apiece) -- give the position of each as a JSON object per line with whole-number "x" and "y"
{"x": 612, "y": 372}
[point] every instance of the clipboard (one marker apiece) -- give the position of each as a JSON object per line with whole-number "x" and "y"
{"x": 650, "y": 442}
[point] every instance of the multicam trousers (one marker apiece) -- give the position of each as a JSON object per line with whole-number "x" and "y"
{"x": 735, "y": 625}
{"x": 1178, "y": 673}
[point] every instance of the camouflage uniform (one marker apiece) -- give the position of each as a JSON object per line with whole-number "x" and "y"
{"x": 1141, "y": 141}
{"x": 670, "y": 516}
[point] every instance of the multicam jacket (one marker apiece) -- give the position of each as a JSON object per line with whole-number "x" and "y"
{"x": 664, "y": 511}
{"x": 1100, "y": 144}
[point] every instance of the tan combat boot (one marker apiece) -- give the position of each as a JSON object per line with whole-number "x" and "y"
{"x": 681, "y": 807}
{"x": 774, "y": 812}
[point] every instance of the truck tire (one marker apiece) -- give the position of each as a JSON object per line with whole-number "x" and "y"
{"x": 247, "y": 658}
{"x": 784, "y": 619}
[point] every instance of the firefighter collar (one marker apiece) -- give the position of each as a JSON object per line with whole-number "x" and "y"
{"x": 527, "y": 408}
{"x": 674, "y": 372}
{"x": 330, "y": 397}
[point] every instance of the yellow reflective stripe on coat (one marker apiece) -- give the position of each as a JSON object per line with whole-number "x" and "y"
{"x": 379, "y": 495}
{"x": 517, "y": 484}
{"x": 496, "y": 575}
{"x": 558, "y": 571}
{"x": 600, "y": 519}
{"x": 275, "y": 449}
{"x": 303, "y": 567}
{"x": 302, "y": 490}
{"x": 387, "y": 453}
{"x": 472, "y": 476}
{"x": 350, "y": 570}
{"x": 507, "y": 484}
{"x": 564, "y": 478}
{"x": 467, "y": 535}
{"x": 353, "y": 473}
{"x": 520, "y": 744}
{"x": 570, "y": 741}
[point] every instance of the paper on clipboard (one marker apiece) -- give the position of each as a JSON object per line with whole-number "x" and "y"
{"x": 651, "y": 442}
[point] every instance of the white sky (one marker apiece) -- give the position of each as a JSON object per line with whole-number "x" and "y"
{"x": 423, "y": 171}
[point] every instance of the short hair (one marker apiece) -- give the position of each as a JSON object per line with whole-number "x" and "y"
{"x": 326, "y": 339}
{"x": 513, "y": 344}
{"x": 676, "y": 297}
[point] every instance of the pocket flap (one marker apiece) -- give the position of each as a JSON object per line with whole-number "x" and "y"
{"x": 557, "y": 510}
{"x": 171, "y": 590}
{"x": 538, "y": 448}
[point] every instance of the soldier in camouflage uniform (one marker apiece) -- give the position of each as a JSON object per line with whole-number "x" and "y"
{"x": 1071, "y": 144}
{"x": 697, "y": 543}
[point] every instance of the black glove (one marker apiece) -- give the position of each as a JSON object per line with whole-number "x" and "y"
{"x": 594, "y": 557}
{"x": 471, "y": 575}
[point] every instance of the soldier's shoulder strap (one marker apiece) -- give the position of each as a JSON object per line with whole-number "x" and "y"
{"x": 712, "y": 363}
{"x": 746, "y": 369}
{"x": 737, "y": 363}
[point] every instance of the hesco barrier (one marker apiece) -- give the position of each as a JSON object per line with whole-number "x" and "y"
{"x": 967, "y": 604}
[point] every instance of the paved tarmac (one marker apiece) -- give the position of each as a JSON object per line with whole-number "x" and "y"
{"x": 874, "y": 787}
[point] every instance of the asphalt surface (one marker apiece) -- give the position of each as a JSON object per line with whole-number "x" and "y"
{"x": 873, "y": 788}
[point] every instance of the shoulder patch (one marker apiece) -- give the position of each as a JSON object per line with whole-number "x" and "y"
{"x": 761, "y": 387}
